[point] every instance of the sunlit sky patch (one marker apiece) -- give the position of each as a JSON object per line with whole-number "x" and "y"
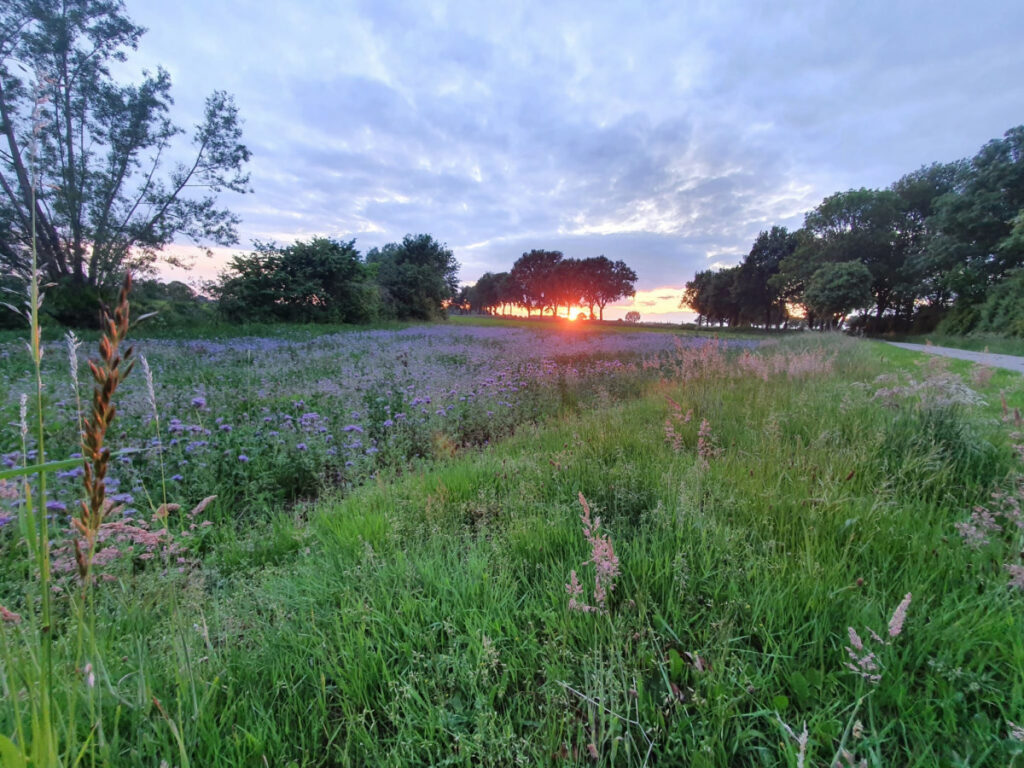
{"x": 664, "y": 134}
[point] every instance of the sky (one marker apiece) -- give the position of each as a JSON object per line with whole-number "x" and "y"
{"x": 663, "y": 134}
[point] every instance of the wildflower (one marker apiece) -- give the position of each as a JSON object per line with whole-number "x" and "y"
{"x": 864, "y": 661}
{"x": 302, "y": 447}
{"x": 899, "y": 616}
{"x": 9, "y": 616}
{"x": 243, "y": 458}
{"x": 56, "y": 506}
{"x": 604, "y": 560}
{"x": 706, "y": 448}
{"x": 177, "y": 478}
{"x": 199, "y": 402}
{"x": 226, "y": 427}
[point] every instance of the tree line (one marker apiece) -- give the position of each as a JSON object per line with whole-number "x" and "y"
{"x": 944, "y": 243}
{"x": 545, "y": 281}
{"x": 328, "y": 280}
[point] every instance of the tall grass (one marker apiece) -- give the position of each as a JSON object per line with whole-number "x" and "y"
{"x": 422, "y": 618}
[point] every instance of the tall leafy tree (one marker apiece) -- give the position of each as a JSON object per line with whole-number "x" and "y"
{"x": 919, "y": 192}
{"x": 973, "y": 246}
{"x": 91, "y": 157}
{"x": 835, "y": 290}
{"x": 603, "y": 281}
{"x": 863, "y": 225}
{"x": 532, "y": 275}
{"x": 759, "y": 299}
{"x": 417, "y": 277}
{"x": 711, "y": 294}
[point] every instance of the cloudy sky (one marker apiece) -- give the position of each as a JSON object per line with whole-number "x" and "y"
{"x": 664, "y": 134}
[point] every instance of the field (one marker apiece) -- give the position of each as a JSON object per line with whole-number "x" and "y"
{"x": 517, "y": 544}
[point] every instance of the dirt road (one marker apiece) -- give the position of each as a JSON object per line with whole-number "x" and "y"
{"x": 1009, "y": 362}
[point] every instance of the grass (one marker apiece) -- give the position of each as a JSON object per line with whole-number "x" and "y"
{"x": 421, "y": 617}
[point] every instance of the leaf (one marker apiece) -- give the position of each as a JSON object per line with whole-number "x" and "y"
{"x": 675, "y": 664}
{"x": 801, "y": 689}
{"x": 10, "y": 755}
{"x": 49, "y": 466}
{"x": 780, "y": 703}
{"x": 54, "y": 466}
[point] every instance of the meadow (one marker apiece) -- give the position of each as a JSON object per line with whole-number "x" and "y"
{"x": 518, "y": 544}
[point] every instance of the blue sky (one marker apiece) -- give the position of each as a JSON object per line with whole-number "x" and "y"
{"x": 664, "y": 134}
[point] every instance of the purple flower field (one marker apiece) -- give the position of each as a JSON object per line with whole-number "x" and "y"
{"x": 262, "y": 420}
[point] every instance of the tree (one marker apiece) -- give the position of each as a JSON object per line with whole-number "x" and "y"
{"x": 417, "y": 277}
{"x": 919, "y": 193}
{"x": 320, "y": 281}
{"x": 532, "y": 277}
{"x": 603, "y": 281}
{"x": 835, "y": 290}
{"x": 632, "y": 316}
{"x": 88, "y": 155}
{"x": 758, "y": 298}
{"x": 864, "y": 225}
{"x": 974, "y": 245}
{"x": 711, "y": 295}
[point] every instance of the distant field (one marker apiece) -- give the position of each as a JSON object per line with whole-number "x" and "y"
{"x": 395, "y": 571}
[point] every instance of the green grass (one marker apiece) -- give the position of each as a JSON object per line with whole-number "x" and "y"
{"x": 422, "y": 619}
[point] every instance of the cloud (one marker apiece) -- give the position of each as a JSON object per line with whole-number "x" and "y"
{"x": 664, "y": 134}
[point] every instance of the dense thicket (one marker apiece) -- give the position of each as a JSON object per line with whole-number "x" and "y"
{"x": 943, "y": 243}
{"x": 327, "y": 281}
{"x": 543, "y": 281}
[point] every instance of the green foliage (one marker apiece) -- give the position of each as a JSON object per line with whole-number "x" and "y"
{"x": 835, "y": 290}
{"x": 939, "y": 243}
{"x": 108, "y": 204}
{"x": 320, "y": 281}
{"x": 1002, "y": 311}
{"x": 976, "y": 244}
{"x": 710, "y": 294}
{"x": 417, "y": 277}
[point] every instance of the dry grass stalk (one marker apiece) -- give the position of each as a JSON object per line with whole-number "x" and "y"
{"x": 108, "y": 374}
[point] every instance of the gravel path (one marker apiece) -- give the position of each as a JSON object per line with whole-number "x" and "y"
{"x": 1009, "y": 362}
